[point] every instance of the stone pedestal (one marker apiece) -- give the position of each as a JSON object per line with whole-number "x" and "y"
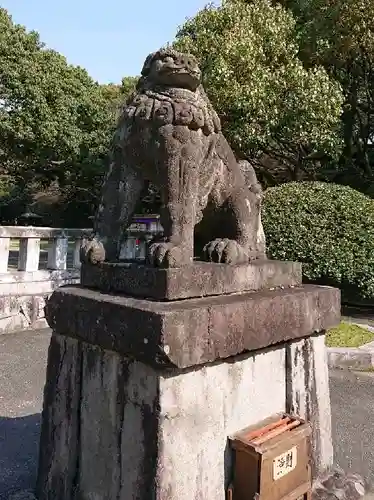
{"x": 142, "y": 393}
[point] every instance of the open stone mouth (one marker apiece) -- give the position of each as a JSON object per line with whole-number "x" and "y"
{"x": 183, "y": 72}
{"x": 179, "y": 70}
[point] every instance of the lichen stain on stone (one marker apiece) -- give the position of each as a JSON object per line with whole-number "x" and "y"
{"x": 297, "y": 356}
{"x": 235, "y": 373}
{"x": 121, "y": 401}
{"x": 308, "y": 375}
{"x": 296, "y": 406}
{"x": 150, "y": 416}
{"x": 93, "y": 360}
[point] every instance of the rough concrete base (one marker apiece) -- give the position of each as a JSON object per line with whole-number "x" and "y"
{"x": 22, "y": 313}
{"x": 338, "y": 485}
{"x": 116, "y": 428}
{"x": 354, "y": 358}
{"x": 23, "y": 296}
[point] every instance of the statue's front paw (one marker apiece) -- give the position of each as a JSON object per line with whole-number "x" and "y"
{"x": 92, "y": 251}
{"x": 226, "y": 251}
{"x": 165, "y": 254}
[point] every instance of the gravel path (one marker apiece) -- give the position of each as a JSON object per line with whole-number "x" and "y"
{"x": 22, "y": 373}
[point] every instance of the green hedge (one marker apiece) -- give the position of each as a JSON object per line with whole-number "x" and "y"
{"x": 327, "y": 227}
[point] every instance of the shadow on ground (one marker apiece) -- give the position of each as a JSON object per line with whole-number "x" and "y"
{"x": 19, "y": 443}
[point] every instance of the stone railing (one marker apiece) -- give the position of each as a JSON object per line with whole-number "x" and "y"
{"x": 30, "y": 255}
{"x": 34, "y": 261}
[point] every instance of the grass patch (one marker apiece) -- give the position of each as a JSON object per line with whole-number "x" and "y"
{"x": 365, "y": 370}
{"x": 348, "y": 335}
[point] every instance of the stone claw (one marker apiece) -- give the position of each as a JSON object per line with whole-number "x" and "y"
{"x": 226, "y": 251}
{"x": 92, "y": 251}
{"x": 165, "y": 254}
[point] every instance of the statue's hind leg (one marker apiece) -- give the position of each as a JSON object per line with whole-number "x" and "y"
{"x": 241, "y": 218}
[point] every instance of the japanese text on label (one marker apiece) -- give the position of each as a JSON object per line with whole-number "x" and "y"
{"x": 285, "y": 463}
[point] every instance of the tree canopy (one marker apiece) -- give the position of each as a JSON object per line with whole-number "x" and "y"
{"x": 271, "y": 106}
{"x": 55, "y": 120}
{"x": 116, "y": 94}
{"x": 50, "y": 110}
{"x": 339, "y": 34}
{"x": 293, "y": 82}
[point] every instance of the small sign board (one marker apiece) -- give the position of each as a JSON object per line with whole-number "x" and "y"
{"x": 284, "y": 463}
{"x": 137, "y": 227}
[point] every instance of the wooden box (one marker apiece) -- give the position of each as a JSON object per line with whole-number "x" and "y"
{"x": 272, "y": 460}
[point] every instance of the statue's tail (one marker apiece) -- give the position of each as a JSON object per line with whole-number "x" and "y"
{"x": 253, "y": 185}
{"x": 250, "y": 177}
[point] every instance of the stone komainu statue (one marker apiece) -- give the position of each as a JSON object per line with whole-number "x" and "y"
{"x": 169, "y": 134}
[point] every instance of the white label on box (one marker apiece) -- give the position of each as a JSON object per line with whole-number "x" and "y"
{"x": 285, "y": 463}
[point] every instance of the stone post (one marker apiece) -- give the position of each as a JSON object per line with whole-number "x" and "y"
{"x": 29, "y": 254}
{"x": 150, "y": 370}
{"x": 57, "y": 253}
{"x": 4, "y": 254}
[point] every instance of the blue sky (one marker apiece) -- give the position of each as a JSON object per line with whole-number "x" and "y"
{"x": 109, "y": 38}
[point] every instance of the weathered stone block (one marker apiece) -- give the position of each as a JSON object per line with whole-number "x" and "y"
{"x": 198, "y": 280}
{"x": 22, "y": 312}
{"x": 191, "y": 332}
